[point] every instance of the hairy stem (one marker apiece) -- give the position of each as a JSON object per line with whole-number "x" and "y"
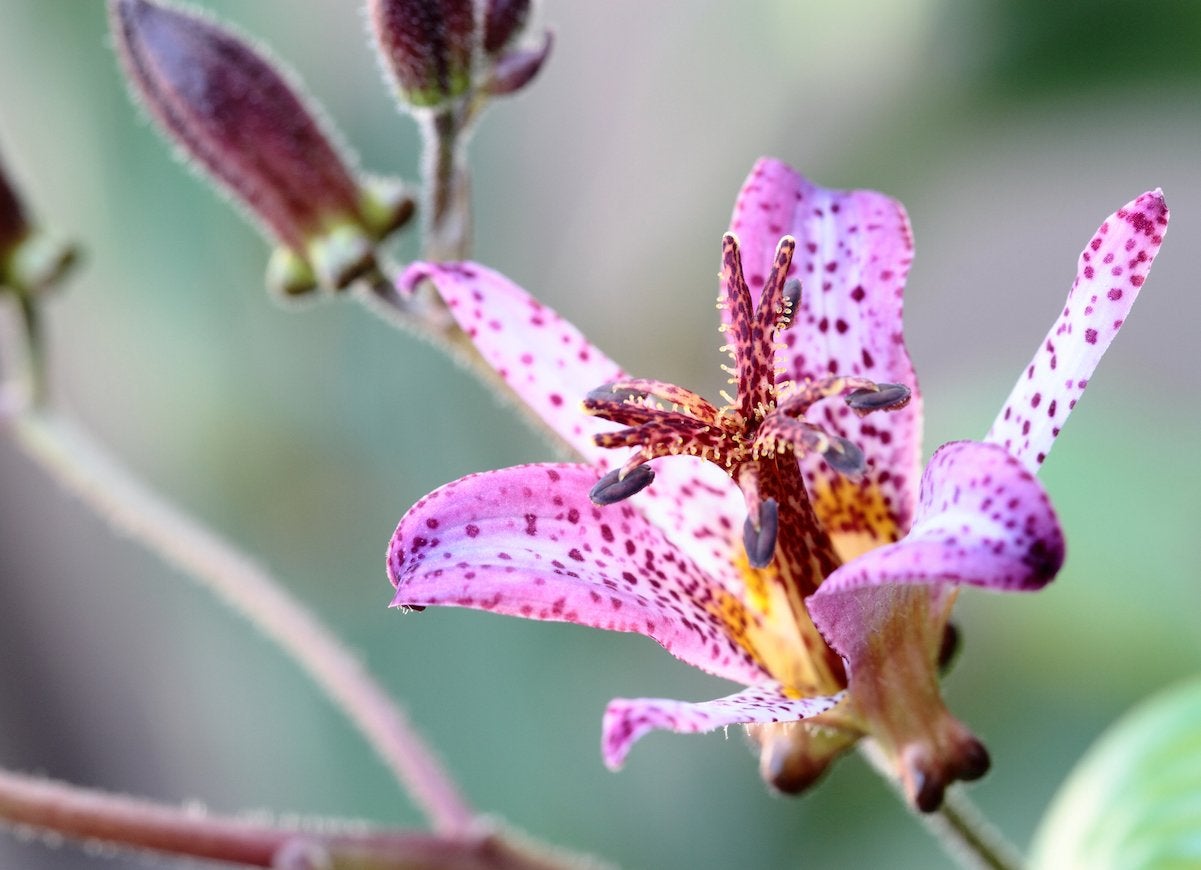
{"x": 447, "y": 212}
{"x": 81, "y": 466}
{"x": 92, "y": 816}
{"x": 960, "y": 828}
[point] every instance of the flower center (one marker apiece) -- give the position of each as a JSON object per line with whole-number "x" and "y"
{"x": 758, "y": 438}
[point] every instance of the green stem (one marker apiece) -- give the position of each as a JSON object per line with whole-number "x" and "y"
{"x": 958, "y": 825}
{"x": 84, "y": 469}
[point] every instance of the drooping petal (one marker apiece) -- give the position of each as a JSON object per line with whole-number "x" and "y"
{"x": 983, "y": 520}
{"x": 1110, "y": 273}
{"x": 626, "y": 720}
{"x": 552, "y": 367}
{"x": 527, "y": 542}
{"x": 852, "y": 257}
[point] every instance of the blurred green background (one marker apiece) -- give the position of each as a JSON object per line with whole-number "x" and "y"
{"x": 1009, "y": 128}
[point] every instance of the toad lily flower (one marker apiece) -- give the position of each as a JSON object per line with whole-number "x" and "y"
{"x": 788, "y": 541}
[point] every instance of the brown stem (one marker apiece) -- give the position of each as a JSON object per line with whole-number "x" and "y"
{"x": 81, "y": 466}
{"x": 89, "y": 815}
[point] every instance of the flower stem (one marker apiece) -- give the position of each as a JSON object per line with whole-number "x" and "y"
{"x": 958, "y": 825}
{"x": 83, "y": 468}
{"x": 447, "y": 212}
{"x": 93, "y": 816}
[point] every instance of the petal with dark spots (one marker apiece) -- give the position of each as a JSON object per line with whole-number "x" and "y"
{"x": 853, "y": 251}
{"x": 527, "y": 542}
{"x": 1110, "y": 273}
{"x": 626, "y": 720}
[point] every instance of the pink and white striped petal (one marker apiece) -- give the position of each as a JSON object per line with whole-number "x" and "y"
{"x": 1110, "y": 273}
{"x": 853, "y": 254}
{"x": 526, "y": 541}
{"x": 544, "y": 358}
{"x": 626, "y": 720}
{"x": 552, "y": 367}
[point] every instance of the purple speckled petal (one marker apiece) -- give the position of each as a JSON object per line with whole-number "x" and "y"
{"x": 526, "y": 541}
{"x": 552, "y": 367}
{"x": 1111, "y": 271}
{"x": 852, "y": 257}
{"x": 544, "y": 358}
{"x": 626, "y": 720}
{"x": 983, "y": 520}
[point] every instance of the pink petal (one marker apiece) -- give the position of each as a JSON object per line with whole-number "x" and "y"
{"x": 852, "y": 257}
{"x": 526, "y": 541}
{"x": 1110, "y": 274}
{"x": 542, "y": 357}
{"x": 551, "y": 366}
{"x": 983, "y": 520}
{"x": 626, "y": 720}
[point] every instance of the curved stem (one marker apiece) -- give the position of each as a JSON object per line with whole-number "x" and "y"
{"x": 958, "y": 825}
{"x": 81, "y": 466}
{"x": 89, "y": 815}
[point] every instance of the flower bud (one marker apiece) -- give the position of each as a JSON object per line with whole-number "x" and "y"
{"x": 504, "y": 20}
{"x": 30, "y": 260}
{"x": 436, "y": 54}
{"x": 233, "y": 111}
{"x": 793, "y": 756}
{"x": 428, "y": 45}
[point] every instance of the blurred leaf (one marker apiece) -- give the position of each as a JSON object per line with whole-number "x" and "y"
{"x": 1023, "y": 47}
{"x": 1135, "y": 799}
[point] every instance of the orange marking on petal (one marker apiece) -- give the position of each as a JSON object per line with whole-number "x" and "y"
{"x": 854, "y": 514}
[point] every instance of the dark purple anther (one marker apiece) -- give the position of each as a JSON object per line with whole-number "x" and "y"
{"x": 606, "y": 394}
{"x": 613, "y": 488}
{"x": 792, "y": 299}
{"x": 886, "y": 397}
{"x": 845, "y": 457}
{"x": 759, "y": 538}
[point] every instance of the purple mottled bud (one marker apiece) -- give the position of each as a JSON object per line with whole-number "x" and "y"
{"x": 30, "y": 260}
{"x": 427, "y": 45}
{"x": 13, "y": 224}
{"x": 504, "y": 21}
{"x": 232, "y": 110}
{"x": 793, "y": 756}
{"x": 513, "y": 70}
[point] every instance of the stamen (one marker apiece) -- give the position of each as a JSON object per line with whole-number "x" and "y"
{"x": 615, "y": 486}
{"x": 609, "y": 393}
{"x": 759, "y": 538}
{"x": 885, "y": 397}
{"x": 844, "y": 456}
{"x": 791, "y": 300}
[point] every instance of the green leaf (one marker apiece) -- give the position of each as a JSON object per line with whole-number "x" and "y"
{"x": 1134, "y": 800}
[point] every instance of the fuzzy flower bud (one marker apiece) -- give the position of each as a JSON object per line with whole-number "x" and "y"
{"x": 30, "y": 260}
{"x": 233, "y": 111}
{"x": 438, "y": 51}
{"x": 427, "y": 45}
